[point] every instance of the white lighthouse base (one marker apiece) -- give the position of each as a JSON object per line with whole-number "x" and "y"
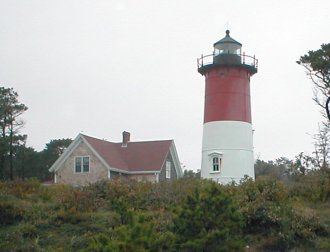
{"x": 232, "y": 143}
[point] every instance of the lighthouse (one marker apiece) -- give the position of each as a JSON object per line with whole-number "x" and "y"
{"x": 227, "y": 147}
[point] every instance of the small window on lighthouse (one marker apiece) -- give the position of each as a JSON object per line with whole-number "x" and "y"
{"x": 216, "y": 162}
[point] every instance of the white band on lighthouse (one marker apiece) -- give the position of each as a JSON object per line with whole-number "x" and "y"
{"x": 231, "y": 142}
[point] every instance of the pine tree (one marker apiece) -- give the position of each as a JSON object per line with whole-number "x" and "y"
{"x": 10, "y": 124}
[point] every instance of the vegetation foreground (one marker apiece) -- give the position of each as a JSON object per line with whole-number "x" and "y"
{"x": 184, "y": 215}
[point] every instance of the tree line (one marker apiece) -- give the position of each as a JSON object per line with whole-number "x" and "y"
{"x": 16, "y": 159}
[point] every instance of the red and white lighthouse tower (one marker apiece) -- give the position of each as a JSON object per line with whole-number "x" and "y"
{"x": 227, "y": 151}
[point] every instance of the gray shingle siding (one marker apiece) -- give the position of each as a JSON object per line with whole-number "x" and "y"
{"x": 162, "y": 175}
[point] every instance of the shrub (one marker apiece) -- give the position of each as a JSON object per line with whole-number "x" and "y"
{"x": 138, "y": 235}
{"x": 323, "y": 244}
{"x": 71, "y": 217}
{"x": 20, "y": 188}
{"x": 74, "y": 199}
{"x": 104, "y": 220}
{"x": 10, "y": 210}
{"x": 318, "y": 189}
{"x": 28, "y": 230}
{"x": 21, "y": 237}
{"x": 208, "y": 220}
{"x": 262, "y": 204}
{"x": 267, "y": 212}
{"x": 182, "y": 215}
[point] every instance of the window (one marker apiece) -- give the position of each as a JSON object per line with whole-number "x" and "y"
{"x": 216, "y": 163}
{"x": 77, "y": 164}
{"x": 215, "y": 160}
{"x": 168, "y": 169}
{"x": 81, "y": 164}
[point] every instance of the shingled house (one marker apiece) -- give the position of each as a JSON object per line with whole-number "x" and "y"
{"x": 88, "y": 159}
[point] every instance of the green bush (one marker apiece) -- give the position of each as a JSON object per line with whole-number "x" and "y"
{"x": 182, "y": 215}
{"x": 63, "y": 216}
{"x": 21, "y": 237}
{"x": 323, "y": 244}
{"x": 267, "y": 211}
{"x": 20, "y": 188}
{"x": 263, "y": 204}
{"x": 208, "y": 220}
{"x": 138, "y": 235}
{"x": 10, "y": 211}
{"x": 28, "y": 230}
{"x": 104, "y": 220}
{"x": 74, "y": 199}
{"x": 318, "y": 189}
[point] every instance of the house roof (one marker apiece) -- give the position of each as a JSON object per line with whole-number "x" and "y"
{"x": 137, "y": 156}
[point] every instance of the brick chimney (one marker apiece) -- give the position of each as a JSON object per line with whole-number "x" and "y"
{"x": 126, "y": 138}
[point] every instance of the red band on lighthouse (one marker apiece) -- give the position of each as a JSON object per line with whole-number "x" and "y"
{"x": 227, "y": 95}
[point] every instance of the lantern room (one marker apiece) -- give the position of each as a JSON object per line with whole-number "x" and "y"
{"x": 227, "y": 51}
{"x": 227, "y": 45}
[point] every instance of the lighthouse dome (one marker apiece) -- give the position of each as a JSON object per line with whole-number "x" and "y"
{"x": 227, "y": 45}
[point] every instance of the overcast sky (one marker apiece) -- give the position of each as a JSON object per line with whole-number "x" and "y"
{"x": 104, "y": 66}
